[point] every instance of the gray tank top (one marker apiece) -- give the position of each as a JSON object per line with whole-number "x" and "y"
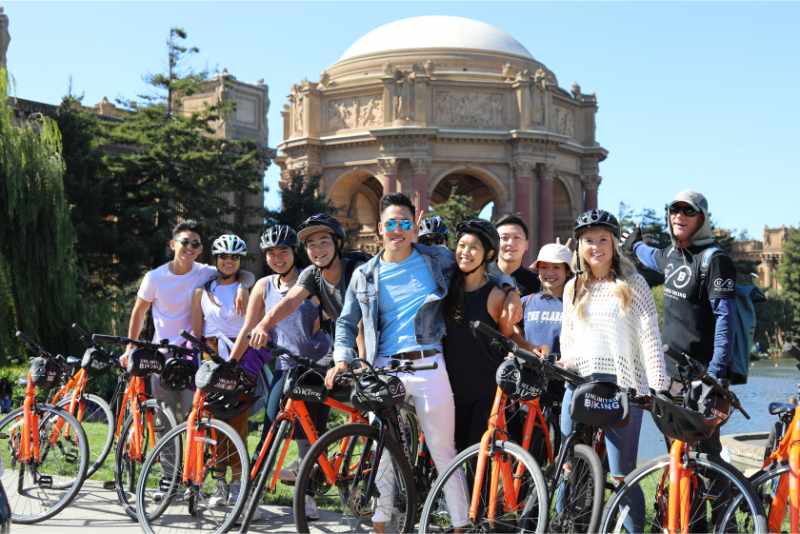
{"x": 294, "y": 332}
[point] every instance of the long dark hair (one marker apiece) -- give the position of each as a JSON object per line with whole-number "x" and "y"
{"x": 454, "y": 301}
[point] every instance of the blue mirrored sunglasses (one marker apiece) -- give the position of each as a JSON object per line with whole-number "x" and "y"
{"x": 391, "y": 225}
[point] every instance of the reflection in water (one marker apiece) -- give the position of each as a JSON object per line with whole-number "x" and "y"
{"x": 767, "y": 383}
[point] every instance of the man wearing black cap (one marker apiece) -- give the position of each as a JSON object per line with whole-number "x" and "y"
{"x": 513, "y": 245}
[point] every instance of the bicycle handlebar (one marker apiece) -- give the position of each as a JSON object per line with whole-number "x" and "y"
{"x": 163, "y": 344}
{"x": 544, "y": 365}
{"x": 32, "y": 345}
{"x": 200, "y": 344}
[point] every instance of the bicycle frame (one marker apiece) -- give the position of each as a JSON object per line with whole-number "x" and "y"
{"x": 498, "y": 429}
{"x": 789, "y": 484}
{"x": 680, "y": 486}
{"x": 133, "y": 398}
{"x": 29, "y": 442}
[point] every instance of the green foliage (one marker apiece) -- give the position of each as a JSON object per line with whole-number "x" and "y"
{"x": 789, "y": 275}
{"x": 654, "y": 227}
{"x": 299, "y": 200}
{"x": 455, "y": 209}
{"x": 37, "y": 258}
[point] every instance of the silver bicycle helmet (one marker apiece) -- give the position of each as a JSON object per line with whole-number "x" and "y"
{"x": 229, "y": 244}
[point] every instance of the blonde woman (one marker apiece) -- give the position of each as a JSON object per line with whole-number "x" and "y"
{"x": 610, "y": 333}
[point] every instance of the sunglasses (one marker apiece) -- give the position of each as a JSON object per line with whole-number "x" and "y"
{"x": 229, "y": 257}
{"x": 686, "y": 210}
{"x": 194, "y": 243}
{"x": 392, "y": 224}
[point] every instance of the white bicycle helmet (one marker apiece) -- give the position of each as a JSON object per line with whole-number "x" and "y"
{"x": 229, "y": 244}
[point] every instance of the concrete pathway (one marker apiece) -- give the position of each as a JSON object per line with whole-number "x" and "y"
{"x": 96, "y": 511}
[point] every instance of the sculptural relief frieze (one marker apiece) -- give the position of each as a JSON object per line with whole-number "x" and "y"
{"x": 468, "y": 108}
{"x": 354, "y": 112}
{"x": 565, "y": 122}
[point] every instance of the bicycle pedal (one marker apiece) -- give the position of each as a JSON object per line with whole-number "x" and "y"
{"x": 165, "y": 485}
{"x": 71, "y": 457}
{"x": 109, "y": 485}
{"x": 45, "y": 481}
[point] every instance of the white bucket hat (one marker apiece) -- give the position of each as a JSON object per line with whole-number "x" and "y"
{"x": 554, "y": 253}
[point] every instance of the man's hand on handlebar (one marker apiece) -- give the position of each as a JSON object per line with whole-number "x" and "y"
{"x": 330, "y": 376}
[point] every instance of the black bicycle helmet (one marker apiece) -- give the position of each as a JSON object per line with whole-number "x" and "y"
{"x": 178, "y": 373}
{"x": 594, "y": 218}
{"x": 321, "y": 221}
{"x": 433, "y": 225}
{"x": 681, "y": 423}
{"x": 229, "y": 389}
{"x": 519, "y": 382}
{"x": 485, "y": 231}
{"x": 278, "y": 235}
{"x": 371, "y": 393}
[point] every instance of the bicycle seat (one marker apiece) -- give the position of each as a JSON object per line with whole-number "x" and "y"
{"x": 780, "y": 408}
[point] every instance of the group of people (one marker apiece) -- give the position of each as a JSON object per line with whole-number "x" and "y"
{"x": 414, "y": 301}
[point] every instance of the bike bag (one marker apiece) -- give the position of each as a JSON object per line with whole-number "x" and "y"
{"x": 144, "y": 362}
{"x": 599, "y": 404}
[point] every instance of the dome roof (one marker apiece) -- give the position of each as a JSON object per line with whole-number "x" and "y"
{"x": 435, "y": 32}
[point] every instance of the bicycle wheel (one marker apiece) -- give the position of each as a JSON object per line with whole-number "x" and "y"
{"x": 577, "y": 500}
{"x": 721, "y": 500}
{"x": 350, "y": 449}
{"x": 98, "y": 423}
{"x": 127, "y": 466}
{"x": 521, "y": 500}
{"x": 167, "y": 504}
{"x": 772, "y": 490}
{"x": 39, "y": 490}
{"x": 266, "y": 471}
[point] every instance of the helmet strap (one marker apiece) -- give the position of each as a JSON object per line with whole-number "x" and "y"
{"x": 336, "y": 254}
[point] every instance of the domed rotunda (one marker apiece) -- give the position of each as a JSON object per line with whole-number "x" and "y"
{"x": 426, "y": 105}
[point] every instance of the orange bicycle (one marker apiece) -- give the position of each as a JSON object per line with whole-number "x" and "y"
{"x": 140, "y": 419}
{"x": 777, "y": 483}
{"x": 689, "y": 491}
{"x": 44, "y": 449}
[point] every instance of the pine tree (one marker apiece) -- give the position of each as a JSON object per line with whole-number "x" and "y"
{"x": 789, "y": 275}
{"x": 300, "y": 199}
{"x": 37, "y": 257}
{"x": 455, "y": 209}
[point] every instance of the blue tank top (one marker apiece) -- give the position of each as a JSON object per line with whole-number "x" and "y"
{"x": 294, "y": 332}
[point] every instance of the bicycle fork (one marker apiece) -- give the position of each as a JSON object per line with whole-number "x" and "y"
{"x": 679, "y": 500}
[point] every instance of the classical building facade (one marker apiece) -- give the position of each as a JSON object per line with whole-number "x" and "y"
{"x": 425, "y": 104}
{"x": 765, "y": 254}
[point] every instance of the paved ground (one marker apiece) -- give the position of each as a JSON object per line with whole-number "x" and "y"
{"x": 96, "y": 511}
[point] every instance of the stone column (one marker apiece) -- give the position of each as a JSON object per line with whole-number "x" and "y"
{"x": 387, "y": 174}
{"x": 591, "y": 183}
{"x": 523, "y": 194}
{"x": 419, "y": 182}
{"x": 546, "y": 199}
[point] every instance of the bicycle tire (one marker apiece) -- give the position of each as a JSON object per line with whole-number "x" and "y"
{"x": 176, "y": 493}
{"x": 573, "y": 519}
{"x": 536, "y": 502}
{"x": 125, "y": 469}
{"x": 754, "y": 515}
{"x": 764, "y": 483}
{"x": 282, "y": 433}
{"x": 45, "y": 413}
{"x": 97, "y": 457}
{"x": 309, "y": 474}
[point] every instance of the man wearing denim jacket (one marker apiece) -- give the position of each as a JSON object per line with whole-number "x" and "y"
{"x": 399, "y": 296}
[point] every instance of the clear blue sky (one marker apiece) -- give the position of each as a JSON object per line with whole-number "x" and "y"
{"x": 691, "y": 95}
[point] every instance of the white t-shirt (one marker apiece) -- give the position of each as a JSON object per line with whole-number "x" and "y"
{"x": 171, "y": 298}
{"x": 219, "y": 315}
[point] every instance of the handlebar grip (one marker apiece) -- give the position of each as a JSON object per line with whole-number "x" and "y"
{"x": 80, "y": 330}
{"x": 201, "y": 344}
{"x": 33, "y": 345}
{"x": 425, "y": 367}
{"x": 104, "y": 338}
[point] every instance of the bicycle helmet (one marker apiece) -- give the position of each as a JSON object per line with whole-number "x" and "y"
{"x": 485, "y": 231}
{"x": 309, "y": 386}
{"x": 321, "y": 222}
{"x": 518, "y": 381}
{"x": 371, "y": 392}
{"x": 708, "y": 400}
{"x": 681, "y": 423}
{"x": 229, "y": 389}
{"x": 595, "y": 218}
{"x": 95, "y": 360}
{"x": 229, "y": 244}
{"x": 46, "y": 373}
{"x": 278, "y": 235}
{"x": 178, "y": 373}
{"x": 432, "y": 230}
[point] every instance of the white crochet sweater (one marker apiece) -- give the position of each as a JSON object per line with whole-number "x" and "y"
{"x": 608, "y": 340}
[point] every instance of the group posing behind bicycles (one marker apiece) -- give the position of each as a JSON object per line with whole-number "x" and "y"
{"x": 424, "y": 388}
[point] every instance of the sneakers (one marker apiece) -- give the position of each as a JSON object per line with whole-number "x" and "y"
{"x": 289, "y": 473}
{"x": 220, "y": 496}
{"x": 312, "y": 512}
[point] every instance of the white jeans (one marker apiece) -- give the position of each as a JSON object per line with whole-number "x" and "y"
{"x": 432, "y": 397}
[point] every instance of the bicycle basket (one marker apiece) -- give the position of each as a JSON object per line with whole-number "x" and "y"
{"x": 46, "y": 373}
{"x": 95, "y": 360}
{"x": 143, "y": 362}
{"x": 229, "y": 389}
{"x": 681, "y": 423}
{"x": 310, "y": 387}
{"x": 518, "y": 381}
{"x": 372, "y": 392}
{"x": 599, "y": 404}
{"x": 178, "y": 373}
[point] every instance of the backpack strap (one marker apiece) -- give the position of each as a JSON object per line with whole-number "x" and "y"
{"x": 705, "y": 264}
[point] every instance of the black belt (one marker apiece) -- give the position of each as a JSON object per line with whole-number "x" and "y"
{"x": 415, "y": 354}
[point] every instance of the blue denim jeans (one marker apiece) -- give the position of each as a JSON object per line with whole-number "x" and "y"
{"x": 622, "y": 448}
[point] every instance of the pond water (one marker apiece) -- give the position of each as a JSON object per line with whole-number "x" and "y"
{"x": 769, "y": 380}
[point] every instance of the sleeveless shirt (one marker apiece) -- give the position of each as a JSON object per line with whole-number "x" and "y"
{"x": 219, "y": 314}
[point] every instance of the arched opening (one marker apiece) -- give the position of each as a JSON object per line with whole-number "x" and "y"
{"x": 356, "y": 197}
{"x": 463, "y": 184}
{"x": 563, "y": 214}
